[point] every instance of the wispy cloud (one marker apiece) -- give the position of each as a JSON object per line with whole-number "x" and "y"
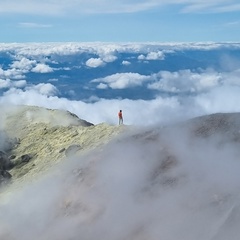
{"x": 232, "y": 24}
{"x": 52, "y": 7}
{"x": 229, "y": 8}
{"x": 33, "y": 25}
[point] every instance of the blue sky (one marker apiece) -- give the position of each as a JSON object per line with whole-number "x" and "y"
{"x": 119, "y": 21}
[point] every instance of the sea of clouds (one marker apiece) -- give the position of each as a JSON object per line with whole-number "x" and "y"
{"x": 190, "y": 93}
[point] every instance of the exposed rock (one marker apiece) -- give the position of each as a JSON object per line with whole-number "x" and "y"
{"x": 44, "y": 137}
{"x": 12, "y": 157}
{"x": 26, "y": 158}
{"x": 3, "y": 160}
{"x": 5, "y": 163}
{"x": 5, "y": 177}
{"x": 5, "y": 174}
{"x": 22, "y": 160}
{"x": 62, "y": 150}
{"x": 71, "y": 150}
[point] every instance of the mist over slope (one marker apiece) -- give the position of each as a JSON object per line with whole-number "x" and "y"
{"x": 179, "y": 181}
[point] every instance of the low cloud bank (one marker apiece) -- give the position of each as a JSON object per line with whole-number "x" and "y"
{"x": 148, "y": 185}
{"x": 161, "y": 110}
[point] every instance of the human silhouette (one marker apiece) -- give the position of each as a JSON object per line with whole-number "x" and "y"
{"x": 120, "y": 117}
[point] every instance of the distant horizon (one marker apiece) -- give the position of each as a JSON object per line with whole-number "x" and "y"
{"x": 127, "y": 42}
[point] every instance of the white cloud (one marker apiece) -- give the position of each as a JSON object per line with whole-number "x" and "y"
{"x": 160, "y": 110}
{"x": 155, "y": 56}
{"x": 52, "y": 7}
{"x": 123, "y": 80}
{"x": 220, "y": 99}
{"x": 42, "y": 68}
{"x": 5, "y": 83}
{"x": 126, "y": 63}
{"x": 138, "y": 112}
{"x": 19, "y": 84}
{"x": 103, "y": 50}
{"x": 141, "y": 57}
{"x": 186, "y": 81}
{"x": 10, "y": 84}
{"x": 159, "y": 55}
{"x": 24, "y": 64}
{"x": 109, "y": 58}
{"x": 95, "y": 62}
{"x": 102, "y": 86}
{"x": 34, "y": 25}
{"x": 11, "y": 74}
{"x": 44, "y": 89}
{"x": 231, "y": 78}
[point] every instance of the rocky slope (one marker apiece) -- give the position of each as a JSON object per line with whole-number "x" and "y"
{"x": 33, "y": 138}
{"x": 179, "y": 181}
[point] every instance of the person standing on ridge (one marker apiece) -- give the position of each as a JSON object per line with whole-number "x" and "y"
{"x": 120, "y": 117}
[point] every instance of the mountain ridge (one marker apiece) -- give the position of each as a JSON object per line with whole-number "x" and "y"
{"x": 45, "y": 137}
{"x": 156, "y": 182}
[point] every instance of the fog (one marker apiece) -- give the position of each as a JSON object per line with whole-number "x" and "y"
{"x": 159, "y": 183}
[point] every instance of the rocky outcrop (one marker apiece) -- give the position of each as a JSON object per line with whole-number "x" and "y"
{"x": 5, "y": 164}
{"x": 37, "y": 138}
{"x": 33, "y": 139}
